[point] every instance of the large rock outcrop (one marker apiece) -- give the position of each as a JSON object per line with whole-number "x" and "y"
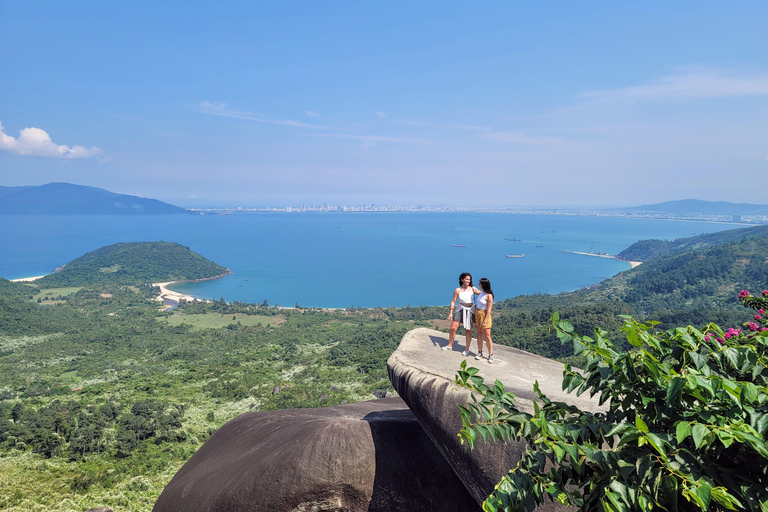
{"x": 424, "y": 377}
{"x": 367, "y": 456}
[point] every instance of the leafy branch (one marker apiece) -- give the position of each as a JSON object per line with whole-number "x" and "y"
{"x": 683, "y": 424}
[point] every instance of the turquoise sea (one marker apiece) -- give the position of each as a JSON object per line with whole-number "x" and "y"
{"x": 353, "y": 259}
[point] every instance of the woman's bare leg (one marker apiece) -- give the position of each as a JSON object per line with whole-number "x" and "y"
{"x": 452, "y": 336}
{"x": 489, "y": 343}
{"x": 469, "y": 339}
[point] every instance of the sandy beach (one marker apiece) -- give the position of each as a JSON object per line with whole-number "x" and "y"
{"x": 26, "y": 279}
{"x": 165, "y": 293}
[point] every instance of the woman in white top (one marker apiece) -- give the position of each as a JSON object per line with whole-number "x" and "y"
{"x": 464, "y": 311}
{"x": 483, "y": 319}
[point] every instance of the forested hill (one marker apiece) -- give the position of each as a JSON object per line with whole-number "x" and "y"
{"x": 69, "y": 199}
{"x": 133, "y": 263}
{"x": 698, "y": 279}
{"x": 644, "y": 250}
{"x": 681, "y": 288}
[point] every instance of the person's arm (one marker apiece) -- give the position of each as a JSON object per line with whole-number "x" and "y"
{"x": 489, "y": 302}
{"x": 476, "y": 291}
{"x": 453, "y": 302}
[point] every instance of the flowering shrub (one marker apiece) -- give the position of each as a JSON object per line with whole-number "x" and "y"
{"x": 685, "y": 426}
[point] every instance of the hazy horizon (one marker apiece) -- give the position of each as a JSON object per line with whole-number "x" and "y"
{"x": 566, "y": 105}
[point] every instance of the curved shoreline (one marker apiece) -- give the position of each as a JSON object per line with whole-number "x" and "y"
{"x": 168, "y": 294}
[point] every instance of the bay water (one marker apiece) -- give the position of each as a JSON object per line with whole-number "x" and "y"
{"x": 364, "y": 259}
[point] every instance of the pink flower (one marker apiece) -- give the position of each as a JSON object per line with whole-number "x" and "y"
{"x": 745, "y": 293}
{"x": 753, "y": 326}
{"x": 761, "y": 311}
{"x": 707, "y": 338}
{"x": 720, "y": 340}
{"x": 765, "y": 293}
{"x": 758, "y": 317}
{"x": 727, "y": 335}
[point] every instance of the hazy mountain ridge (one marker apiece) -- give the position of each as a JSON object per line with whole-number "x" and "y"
{"x": 688, "y": 206}
{"x": 67, "y": 199}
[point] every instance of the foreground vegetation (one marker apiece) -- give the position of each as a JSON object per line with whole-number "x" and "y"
{"x": 685, "y": 425}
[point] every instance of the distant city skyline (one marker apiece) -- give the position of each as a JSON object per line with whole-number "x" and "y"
{"x": 588, "y": 104}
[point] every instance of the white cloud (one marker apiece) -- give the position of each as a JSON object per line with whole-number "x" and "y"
{"x": 375, "y": 138}
{"x": 381, "y": 114}
{"x": 37, "y": 142}
{"x": 312, "y": 113}
{"x": 696, "y": 84}
{"x": 521, "y": 138}
{"x": 216, "y": 108}
{"x": 452, "y": 126}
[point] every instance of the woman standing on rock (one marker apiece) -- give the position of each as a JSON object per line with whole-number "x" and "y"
{"x": 463, "y": 313}
{"x": 483, "y": 319}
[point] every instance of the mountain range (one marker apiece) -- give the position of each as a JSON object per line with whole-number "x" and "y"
{"x": 66, "y": 198}
{"x": 691, "y": 206}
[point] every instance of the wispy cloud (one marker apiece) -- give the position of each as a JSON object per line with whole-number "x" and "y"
{"x": 381, "y": 114}
{"x": 696, "y": 85}
{"x": 37, "y": 142}
{"x": 312, "y": 113}
{"x": 521, "y": 138}
{"x": 443, "y": 125}
{"x": 222, "y": 109}
{"x": 375, "y": 138}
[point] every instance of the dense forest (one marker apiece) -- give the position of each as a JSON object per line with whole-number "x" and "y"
{"x": 103, "y": 396}
{"x": 133, "y": 263}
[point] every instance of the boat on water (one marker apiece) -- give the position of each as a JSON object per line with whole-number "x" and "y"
{"x": 459, "y": 245}
{"x": 515, "y": 255}
{"x": 513, "y": 239}
{"x": 539, "y": 246}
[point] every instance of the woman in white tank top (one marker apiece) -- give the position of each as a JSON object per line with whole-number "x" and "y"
{"x": 462, "y": 310}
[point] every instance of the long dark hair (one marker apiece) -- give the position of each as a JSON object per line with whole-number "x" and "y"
{"x": 463, "y": 275}
{"x": 485, "y": 285}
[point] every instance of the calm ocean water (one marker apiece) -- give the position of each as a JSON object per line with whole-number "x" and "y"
{"x": 352, "y": 259}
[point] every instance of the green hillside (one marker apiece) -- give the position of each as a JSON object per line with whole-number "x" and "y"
{"x": 644, "y": 250}
{"x": 132, "y": 264}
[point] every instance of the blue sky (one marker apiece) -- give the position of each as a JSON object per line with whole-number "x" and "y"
{"x": 287, "y": 103}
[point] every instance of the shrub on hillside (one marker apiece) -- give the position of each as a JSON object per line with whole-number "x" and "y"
{"x": 685, "y": 426}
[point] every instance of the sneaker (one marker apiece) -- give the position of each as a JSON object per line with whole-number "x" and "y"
{"x": 490, "y": 359}
{"x": 465, "y": 353}
{"x": 479, "y": 356}
{"x": 447, "y": 347}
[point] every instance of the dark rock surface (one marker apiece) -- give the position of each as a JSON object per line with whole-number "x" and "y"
{"x": 366, "y": 456}
{"x": 424, "y": 377}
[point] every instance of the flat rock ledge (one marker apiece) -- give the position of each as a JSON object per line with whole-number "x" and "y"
{"x": 366, "y": 456}
{"x": 424, "y": 377}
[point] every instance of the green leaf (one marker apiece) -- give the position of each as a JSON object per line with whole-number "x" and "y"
{"x": 555, "y": 317}
{"x": 620, "y": 488}
{"x": 749, "y": 392}
{"x": 619, "y": 429}
{"x": 559, "y": 452}
{"x": 703, "y": 493}
{"x": 640, "y": 424}
{"x": 699, "y": 433}
{"x": 674, "y": 389}
{"x": 657, "y": 443}
{"x": 682, "y": 430}
{"x": 634, "y": 339}
{"x": 725, "y": 437}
